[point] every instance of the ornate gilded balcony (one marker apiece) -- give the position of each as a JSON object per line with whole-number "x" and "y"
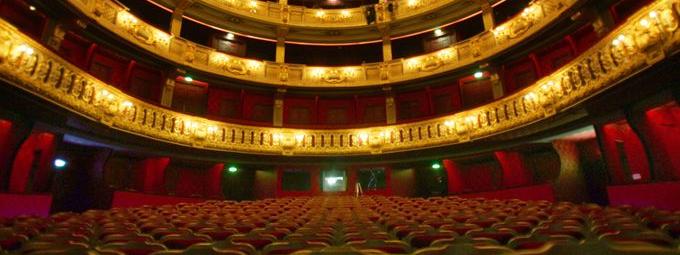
{"x": 313, "y": 24}
{"x": 183, "y": 52}
{"x": 646, "y": 38}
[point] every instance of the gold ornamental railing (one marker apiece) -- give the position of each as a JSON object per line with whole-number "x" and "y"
{"x": 300, "y": 16}
{"x": 643, "y": 40}
{"x": 180, "y": 51}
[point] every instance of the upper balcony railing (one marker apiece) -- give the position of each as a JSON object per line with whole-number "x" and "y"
{"x": 645, "y": 39}
{"x": 283, "y": 14}
{"x": 183, "y": 52}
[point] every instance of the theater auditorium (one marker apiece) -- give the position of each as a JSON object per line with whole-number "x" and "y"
{"x": 257, "y": 127}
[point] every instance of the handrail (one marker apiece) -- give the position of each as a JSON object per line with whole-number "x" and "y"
{"x": 640, "y": 42}
{"x": 183, "y": 52}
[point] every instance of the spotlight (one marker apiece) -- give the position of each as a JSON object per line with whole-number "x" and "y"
{"x": 232, "y": 169}
{"x": 188, "y": 79}
{"x": 436, "y": 166}
{"x": 59, "y": 163}
{"x": 32, "y": 8}
{"x": 479, "y": 74}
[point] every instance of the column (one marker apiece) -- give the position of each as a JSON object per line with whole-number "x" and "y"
{"x": 54, "y": 35}
{"x": 280, "y": 50}
{"x": 176, "y": 21}
{"x": 496, "y": 85}
{"x": 570, "y": 185}
{"x": 278, "y": 107}
{"x": 390, "y": 107}
{"x": 281, "y": 33}
{"x": 387, "y": 48}
{"x": 487, "y": 15}
{"x": 384, "y": 29}
{"x": 168, "y": 91}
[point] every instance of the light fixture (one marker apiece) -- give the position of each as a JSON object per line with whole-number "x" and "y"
{"x": 478, "y": 75}
{"x": 653, "y": 14}
{"x": 333, "y": 180}
{"x": 344, "y": 13}
{"x": 320, "y": 14}
{"x": 637, "y": 176}
{"x": 644, "y": 23}
{"x": 32, "y": 8}
{"x": 438, "y": 32}
{"x": 230, "y": 36}
{"x": 188, "y": 79}
{"x": 232, "y": 169}
{"x": 299, "y": 137}
{"x": 59, "y": 163}
{"x": 436, "y": 165}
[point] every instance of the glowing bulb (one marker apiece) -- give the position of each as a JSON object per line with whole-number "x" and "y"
{"x": 232, "y": 169}
{"x": 230, "y": 36}
{"x": 438, "y": 32}
{"x": 32, "y": 8}
{"x": 363, "y": 137}
{"x": 320, "y": 14}
{"x": 449, "y": 123}
{"x": 127, "y": 104}
{"x": 653, "y": 14}
{"x": 188, "y": 79}
{"x": 344, "y": 13}
{"x": 478, "y": 74}
{"x": 299, "y": 137}
{"x": 23, "y": 48}
{"x": 252, "y": 4}
{"x": 436, "y": 166}
{"x": 644, "y": 23}
{"x": 59, "y": 163}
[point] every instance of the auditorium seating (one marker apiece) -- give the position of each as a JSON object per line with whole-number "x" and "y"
{"x": 349, "y": 225}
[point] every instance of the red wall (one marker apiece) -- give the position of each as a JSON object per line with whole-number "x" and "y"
{"x": 663, "y": 127}
{"x": 150, "y": 175}
{"x": 660, "y": 195}
{"x": 515, "y": 172}
{"x": 12, "y": 205}
{"x": 23, "y": 161}
{"x": 5, "y": 149}
{"x": 633, "y": 149}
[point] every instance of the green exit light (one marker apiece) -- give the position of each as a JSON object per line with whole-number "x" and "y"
{"x": 436, "y": 166}
{"x": 233, "y": 169}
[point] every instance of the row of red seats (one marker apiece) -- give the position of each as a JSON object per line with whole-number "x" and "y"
{"x": 346, "y": 225}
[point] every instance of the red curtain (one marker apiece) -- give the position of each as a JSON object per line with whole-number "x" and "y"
{"x": 37, "y": 144}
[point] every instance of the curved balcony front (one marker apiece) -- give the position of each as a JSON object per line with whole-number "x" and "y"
{"x": 532, "y": 20}
{"x": 313, "y": 25}
{"x": 645, "y": 39}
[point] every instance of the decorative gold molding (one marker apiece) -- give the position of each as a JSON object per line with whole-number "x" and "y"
{"x": 276, "y": 13}
{"x": 643, "y": 40}
{"x": 180, "y": 51}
